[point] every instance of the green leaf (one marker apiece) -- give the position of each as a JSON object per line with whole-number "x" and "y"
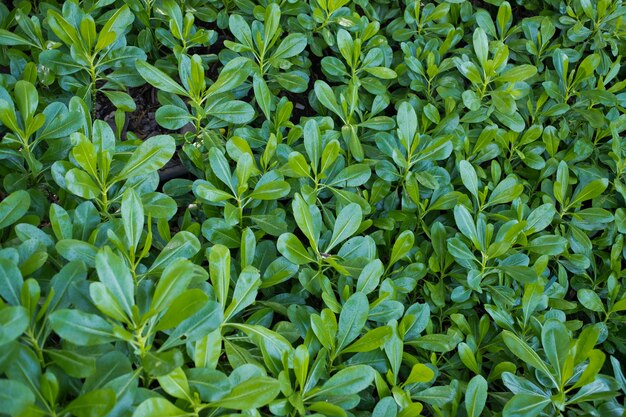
{"x": 326, "y": 96}
{"x": 95, "y": 403}
{"x": 263, "y": 96}
{"x": 77, "y": 250}
{"x": 481, "y": 46}
{"x": 369, "y": 277}
{"x": 219, "y": 267}
{"x": 150, "y": 156}
{"x": 271, "y": 22}
{"x": 299, "y": 165}
{"x": 132, "y": 218}
{"x": 245, "y": 291}
{"x": 196, "y": 326}
{"x": 407, "y": 125}
{"x": 548, "y": 245}
{"x": 270, "y": 191}
{"x": 466, "y": 354}
{"x": 517, "y": 73}
{"x": 175, "y": 384}
{"x": 387, "y": 407}
{"x": 274, "y": 345}
{"x": 506, "y": 191}
{"x": 589, "y": 191}
{"x": 158, "y": 407}
{"x": 220, "y": 167}
{"x": 291, "y": 46}
{"x": 7, "y": 115}
{"x": 116, "y": 25}
{"x": 291, "y": 248}
{"x": 352, "y": 319}
{"x": 82, "y": 184}
{"x": 173, "y": 282}
{"x": 115, "y": 275}
{"x": 182, "y": 307}
{"x": 210, "y": 384}
{"x": 106, "y": 302}
{"x": 81, "y": 328}
{"x": 540, "y": 218}
{"x": 233, "y": 111}
{"x": 84, "y": 152}
{"x": 63, "y": 29}
{"x": 234, "y": 73}
{"x": 352, "y": 176}
{"x": 382, "y": 73}
{"x": 346, "y": 224}
{"x": 465, "y": 223}
{"x": 345, "y": 43}
{"x": 240, "y": 29}
{"x": 419, "y": 373}
{"x": 523, "y": 351}
{"x": 172, "y": 117}
{"x": 561, "y": 183}
{"x": 555, "y": 340}
{"x": 372, "y": 340}
{"x": 26, "y": 99}
{"x": 15, "y": 397}
{"x": 121, "y": 100}
{"x": 304, "y": 220}
{"x": 525, "y": 405}
{"x": 437, "y": 396}
{"x": 348, "y": 381}
{"x": 159, "y": 79}
{"x": 13, "y": 39}
{"x": 469, "y": 177}
{"x": 590, "y": 300}
{"x": 206, "y": 191}
{"x": 13, "y": 207}
{"x": 250, "y": 394}
{"x": 13, "y": 322}
{"x": 476, "y": 396}
{"x": 402, "y": 246}
{"x": 587, "y": 8}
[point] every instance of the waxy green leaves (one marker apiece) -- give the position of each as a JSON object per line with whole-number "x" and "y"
{"x": 327, "y": 208}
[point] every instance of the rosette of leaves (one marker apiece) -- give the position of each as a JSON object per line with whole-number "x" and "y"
{"x": 507, "y": 85}
{"x": 89, "y": 60}
{"x": 424, "y": 68}
{"x": 100, "y": 169}
{"x": 205, "y": 106}
{"x": 599, "y": 24}
{"x": 322, "y": 170}
{"x": 423, "y": 20}
{"x": 319, "y": 21}
{"x": 569, "y": 374}
{"x": 413, "y": 153}
{"x": 182, "y": 34}
{"x": 34, "y": 139}
{"x": 368, "y": 60}
{"x": 246, "y": 196}
{"x": 277, "y": 61}
{"x": 179, "y": 33}
{"x": 23, "y": 40}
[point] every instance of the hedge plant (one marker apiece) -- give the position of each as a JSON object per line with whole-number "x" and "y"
{"x": 366, "y": 208}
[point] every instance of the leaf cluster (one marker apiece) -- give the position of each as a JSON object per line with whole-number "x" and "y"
{"x": 388, "y": 208}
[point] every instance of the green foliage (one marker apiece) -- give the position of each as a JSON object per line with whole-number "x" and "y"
{"x": 387, "y": 208}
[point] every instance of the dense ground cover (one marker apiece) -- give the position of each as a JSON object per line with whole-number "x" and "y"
{"x": 384, "y": 208}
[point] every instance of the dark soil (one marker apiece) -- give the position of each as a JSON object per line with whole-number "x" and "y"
{"x": 141, "y": 122}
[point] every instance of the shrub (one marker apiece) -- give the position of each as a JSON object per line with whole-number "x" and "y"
{"x": 383, "y": 208}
